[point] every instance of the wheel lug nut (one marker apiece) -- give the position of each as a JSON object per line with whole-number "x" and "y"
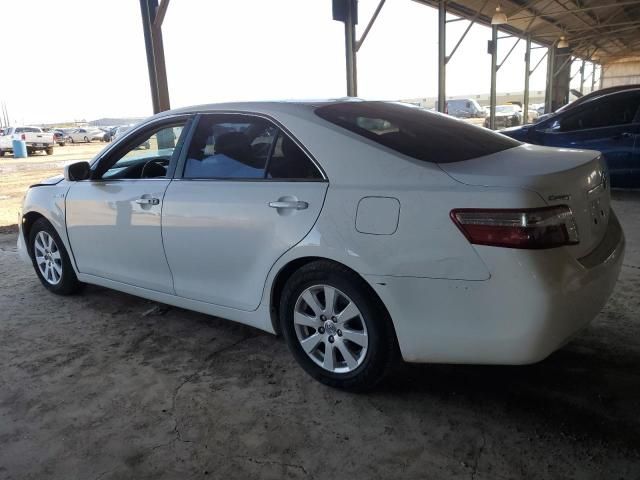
{"x": 339, "y": 333}
{"x": 331, "y": 338}
{"x": 323, "y": 318}
{"x": 321, "y": 330}
{"x": 334, "y": 319}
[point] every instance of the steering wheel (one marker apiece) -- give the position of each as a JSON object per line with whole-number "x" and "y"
{"x": 153, "y": 168}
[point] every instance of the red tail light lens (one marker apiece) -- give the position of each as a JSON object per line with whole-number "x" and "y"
{"x": 535, "y": 228}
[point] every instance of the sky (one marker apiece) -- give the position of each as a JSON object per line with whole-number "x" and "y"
{"x": 69, "y": 60}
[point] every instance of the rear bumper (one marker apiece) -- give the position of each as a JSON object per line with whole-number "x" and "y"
{"x": 534, "y": 302}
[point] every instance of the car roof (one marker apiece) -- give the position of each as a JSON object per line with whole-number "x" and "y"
{"x": 262, "y": 106}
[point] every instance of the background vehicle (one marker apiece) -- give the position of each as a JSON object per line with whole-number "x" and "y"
{"x": 60, "y": 137}
{"x": 287, "y": 217}
{"x": 608, "y": 123}
{"x": 35, "y": 138}
{"x": 109, "y": 133}
{"x": 84, "y": 135}
{"x": 506, "y": 116}
{"x": 464, "y": 108}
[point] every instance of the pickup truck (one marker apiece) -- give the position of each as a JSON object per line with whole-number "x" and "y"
{"x": 35, "y": 138}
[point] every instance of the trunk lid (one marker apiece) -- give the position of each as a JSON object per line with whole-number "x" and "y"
{"x": 577, "y": 178}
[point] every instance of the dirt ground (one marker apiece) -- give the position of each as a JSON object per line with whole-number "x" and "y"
{"x": 104, "y": 385}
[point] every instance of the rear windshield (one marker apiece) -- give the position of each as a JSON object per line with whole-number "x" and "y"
{"x": 415, "y": 132}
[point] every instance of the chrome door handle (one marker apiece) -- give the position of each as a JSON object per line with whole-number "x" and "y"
{"x": 147, "y": 201}
{"x": 295, "y": 204}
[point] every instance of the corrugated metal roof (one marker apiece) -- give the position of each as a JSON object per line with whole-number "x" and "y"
{"x": 608, "y": 30}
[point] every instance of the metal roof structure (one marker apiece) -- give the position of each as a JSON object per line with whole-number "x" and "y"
{"x": 596, "y": 31}
{"x": 606, "y": 30}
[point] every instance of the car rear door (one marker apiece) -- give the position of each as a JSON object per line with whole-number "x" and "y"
{"x": 609, "y": 125}
{"x": 114, "y": 219}
{"x": 245, "y": 193}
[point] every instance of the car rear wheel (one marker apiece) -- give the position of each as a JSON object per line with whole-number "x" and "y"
{"x": 1, "y": 153}
{"x": 50, "y": 259}
{"x": 49, "y": 151}
{"x": 86, "y": 139}
{"x": 335, "y": 327}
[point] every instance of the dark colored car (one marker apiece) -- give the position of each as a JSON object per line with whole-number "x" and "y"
{"x": 608, "y": 123}
{"x": 586, "y": 98}
{"x": 60, "y": 137}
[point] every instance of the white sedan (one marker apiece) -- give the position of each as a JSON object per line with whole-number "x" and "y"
{"x": 86, "y": 135}
{"x": 355, "y": 229}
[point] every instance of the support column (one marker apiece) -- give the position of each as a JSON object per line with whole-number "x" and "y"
{"x": 155, "y": 56}
{"x": 350, "y": 48}
{"x": 527, "y": 76}
{"x": 560, "y": 80}
{"x": 551, "y": 56}
{"x": 442, "y": 55}
{"x": 582, "y": 77}
{"x": 494, "y": 71}
{"x": 593, "y": 77}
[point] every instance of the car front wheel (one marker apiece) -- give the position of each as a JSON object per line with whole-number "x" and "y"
{"x": 336, "y": 328}
{"x": 50, "y": 259}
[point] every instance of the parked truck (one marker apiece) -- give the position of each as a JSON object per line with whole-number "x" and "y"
{"x": 34, "y": 137}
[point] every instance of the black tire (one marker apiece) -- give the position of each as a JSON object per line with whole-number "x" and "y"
{"x": 68, "y": 283}
{"x": 1, "y": 153}
{"x": 49, "y": 151}
{"x": 86, "y": 139}
{"x": 72, "y": 140}
{"x": 382, "y": 347}
{"x": 61, "y": 144}
{"x": 30, "y": 152}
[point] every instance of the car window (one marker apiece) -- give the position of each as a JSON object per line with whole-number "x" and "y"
{"x": 149, "y": 157}
{"x": 416, "y": 132}
{"x": 619, "y": 110}
{"x": 230, "y": 147}
{"x": 288, "y": 161}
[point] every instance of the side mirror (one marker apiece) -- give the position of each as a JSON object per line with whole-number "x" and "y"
{"x": 77, "y": 171}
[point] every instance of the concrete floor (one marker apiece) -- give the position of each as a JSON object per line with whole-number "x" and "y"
{"x": 109, "y": 386}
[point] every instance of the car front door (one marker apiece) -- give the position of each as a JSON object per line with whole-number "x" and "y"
{"x": 609, "y": 125}
{"x": 114, "y": 219}
{"x": 245, "y": 193}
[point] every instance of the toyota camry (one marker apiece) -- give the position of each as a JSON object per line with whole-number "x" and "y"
{"x": 359, "y": 231}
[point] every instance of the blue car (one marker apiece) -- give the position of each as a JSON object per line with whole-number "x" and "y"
{"x": 608, "y": 123}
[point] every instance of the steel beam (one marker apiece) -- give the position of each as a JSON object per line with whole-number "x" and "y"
{"x": 442, "y": 54}
{"x": 155, "y": 56}
{"x": 527, "y": 75}
{"x": 593, "y": 77}
{"x": 462, "y": 37}
{"x": 582, "y": 77}
{"x": 494, "y": 71}
{"x": 350, "y": 49}
{"x": 369, "y": 25}
{"x": 508, "y": 54}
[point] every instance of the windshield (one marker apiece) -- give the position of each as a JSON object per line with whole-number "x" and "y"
{"x": 416, "y": 132}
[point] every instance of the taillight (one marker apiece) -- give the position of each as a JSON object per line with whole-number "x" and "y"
{"x": 533, "y": 228}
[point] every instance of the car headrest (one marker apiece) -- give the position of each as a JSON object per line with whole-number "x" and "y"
{"x": 233, "y": 144}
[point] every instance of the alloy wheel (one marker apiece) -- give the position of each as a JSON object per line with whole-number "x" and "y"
{"x": 330, "y": 329}
{"x": 48, "y": 257}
